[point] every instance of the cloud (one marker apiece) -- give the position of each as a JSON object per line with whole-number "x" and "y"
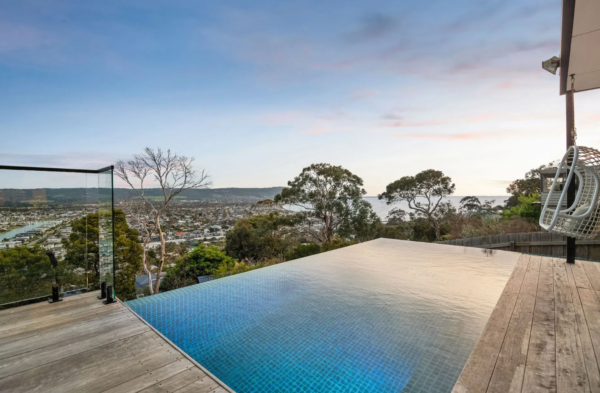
{"x": 480, "y": 118}
{"x": 506, "y": 85}
{"x": 452, "y": 137}
{"x": 408, "y": 124}
{"x": 316, "y": 131}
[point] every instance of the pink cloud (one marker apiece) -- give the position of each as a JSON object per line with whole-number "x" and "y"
{"x": 506, "y": 85}
{"x": 406, "y": 124}
{"x": 316, "y": 131}
{"x": 453, "y": 137}
{"x": 480, "y": 118}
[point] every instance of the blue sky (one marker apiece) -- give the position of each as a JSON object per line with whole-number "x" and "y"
{"x": 255, "y": 91}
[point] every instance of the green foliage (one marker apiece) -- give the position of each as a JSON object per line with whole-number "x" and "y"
{"x": 200, "y": 262}
{"x": 227, "y": 270}
{"x": 82, "y": 249}
{"x": 82, "y": 246}
{"x": 527, "y": 186}
{"x": 331, "y": 198}
{"x": 259, "y": 237}
{"x": 335, "y": 243}
{"x": 25, "y": 273}
{"x": 128, "y": 257}
{"x": 424, "y": 193}
{"x": 303, "y": 250}
{"x": 525, "y": 208}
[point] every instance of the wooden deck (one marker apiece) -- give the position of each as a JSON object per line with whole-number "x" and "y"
{"x": 82, "y": 345}
{"x": 543, "y": 335}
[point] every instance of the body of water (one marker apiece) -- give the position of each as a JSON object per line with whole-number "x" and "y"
{"x": 12, "y": 233}
{"x": 381, "y": 316}
{"x": 382, "y": 209}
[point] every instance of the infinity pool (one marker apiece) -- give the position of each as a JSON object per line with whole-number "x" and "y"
{"x": 381, "y": 316}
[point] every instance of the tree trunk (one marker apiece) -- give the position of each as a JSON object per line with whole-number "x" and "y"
{"x": 437, "y": 229}
{"x": 163, "y": 244}
{"x": 145, "y": 266}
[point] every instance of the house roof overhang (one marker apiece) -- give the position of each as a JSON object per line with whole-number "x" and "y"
{"x": 580, "y": 45}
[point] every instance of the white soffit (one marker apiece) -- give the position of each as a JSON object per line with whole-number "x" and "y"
{"x": 584, "y": 59}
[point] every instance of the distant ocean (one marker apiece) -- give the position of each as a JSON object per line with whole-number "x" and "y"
{"x": 382, "y": 209}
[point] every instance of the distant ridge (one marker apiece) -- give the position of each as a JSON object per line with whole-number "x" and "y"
{"x": 65, "y": 196}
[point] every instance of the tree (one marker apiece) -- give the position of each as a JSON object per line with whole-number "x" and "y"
{"x": 140, "y": 214}
{"x": 128, "y": 257}
{"x": 424, "y": 193}
{"x": 82, "y": 251}
{"x": 261, "y": 237}
{"x": 303, "y": 250}
{"x": 200, "y": 262}
{"x": 25, "y": 273}
{"x": 331, "y": 199}
{"x": 471, "y": 205}
{"x": 527, "y": 186}
{"x": 173, "y": 173}
{"x": 82, "y": 248}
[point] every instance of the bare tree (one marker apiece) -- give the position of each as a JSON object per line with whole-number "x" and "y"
{"x": 140, "y": 214}
{"x": 173, "y": 173}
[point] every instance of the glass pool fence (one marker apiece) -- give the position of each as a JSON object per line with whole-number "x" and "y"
{"x": 56, "y": 232}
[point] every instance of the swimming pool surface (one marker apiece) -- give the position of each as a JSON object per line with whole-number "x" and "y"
{"x": 381, "y": 316}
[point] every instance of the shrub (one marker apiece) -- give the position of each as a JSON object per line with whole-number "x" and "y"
{"x": 303, "y": 250}
{"x": 335, "y": 243}
{"x": 200, "y": 262}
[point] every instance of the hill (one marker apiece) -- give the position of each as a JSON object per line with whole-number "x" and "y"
{"x": 66, "y": 196}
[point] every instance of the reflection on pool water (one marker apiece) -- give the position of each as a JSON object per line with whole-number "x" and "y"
{"x": 381, "y": 316}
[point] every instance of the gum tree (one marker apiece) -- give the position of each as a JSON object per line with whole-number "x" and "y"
{"x": 172, "y": 173}
{"x": 424, "y": 194}
{"x": 331, "y": 199}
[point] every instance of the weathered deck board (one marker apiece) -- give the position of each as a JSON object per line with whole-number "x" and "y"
{"x": 478, "y": 371}
{"x": 552, "y": 340}
{"x": 86, "y": 346}
{"x": 510, "y": 368}
{"x": 589, "y": 355}
{"x": 570, "y": 367}
{"x": 540, "y": 368}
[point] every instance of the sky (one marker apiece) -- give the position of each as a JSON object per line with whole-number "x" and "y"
{"x": 255, "y": 91}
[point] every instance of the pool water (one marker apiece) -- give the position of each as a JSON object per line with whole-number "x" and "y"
{"x": 381, "y": 316}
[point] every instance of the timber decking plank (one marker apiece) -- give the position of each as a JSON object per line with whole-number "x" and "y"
{"x": 115, "y": 376}
{"x": 82, "y": 366}
{"x": 540, "y": 368}
{"x": 593, "y": 274}
{"x": 476, "y": 375}
{"x": 591, "y": 310}
{"x": 152, "y": 377}
{"x": 42, "y": 304}
{"x": 31, "y": 359}
{"x": 570, "y": 367}
{"x": 58, "y": 323}
{"x": 176, "y": 382}
{"x": 510, "y": 367}
{"x": 580, "y": 276}
{"x": 11, "y": 323}
{"x": 50, "y": 309}
{"x": 591, "y": 364}
{"x": 37, "y": 342}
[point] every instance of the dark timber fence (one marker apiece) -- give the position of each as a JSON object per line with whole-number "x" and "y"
{"x": 538, "y": 243}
